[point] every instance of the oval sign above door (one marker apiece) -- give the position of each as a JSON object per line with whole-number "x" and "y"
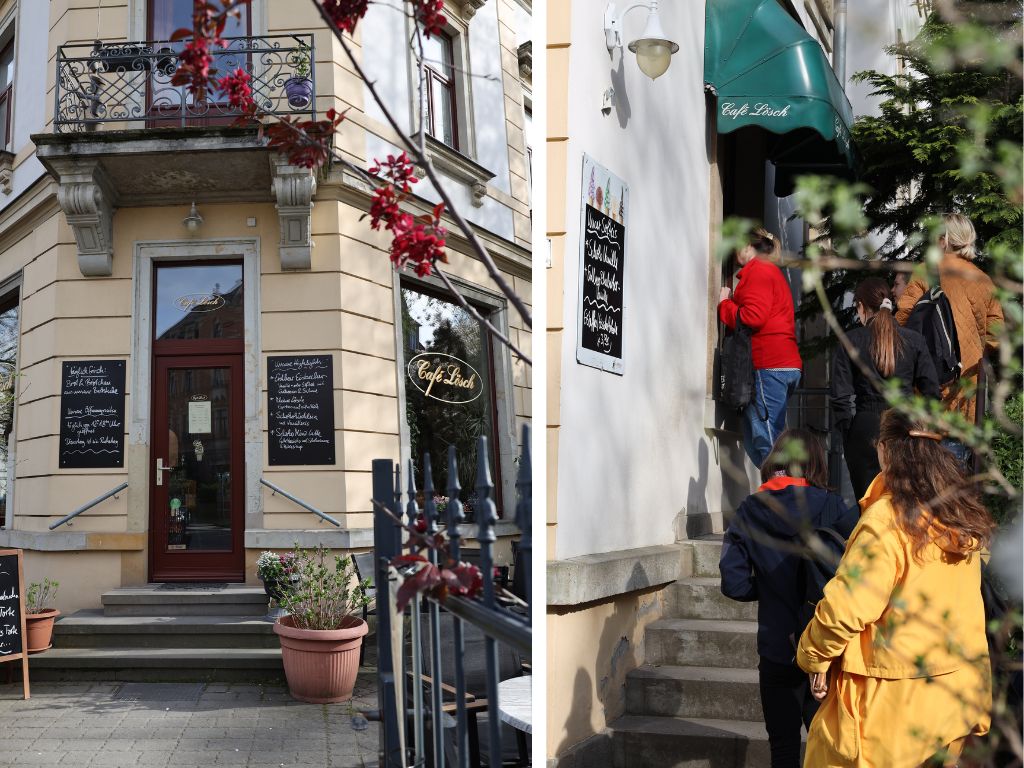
{"x": 445, "y": 377}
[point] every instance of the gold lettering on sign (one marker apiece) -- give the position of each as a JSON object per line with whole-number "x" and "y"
{"x": 199, "y": 302}
{"x": 445, "y": 377}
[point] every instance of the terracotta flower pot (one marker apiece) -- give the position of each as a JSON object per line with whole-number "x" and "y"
{"x": 39, "y": 629}
{"x": 321, "y": 664}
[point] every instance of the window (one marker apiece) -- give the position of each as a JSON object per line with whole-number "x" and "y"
{"x": 6, "y": 88}
{"x": 165, "y": 16}
{"x": 446, "y": 361}
{"x": 442, "y": 109}
{"x": 8, "y": 372}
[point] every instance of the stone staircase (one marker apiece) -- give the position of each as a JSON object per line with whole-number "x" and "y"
{"x": 165, "y": 633}
{"x": 695, "y": 702}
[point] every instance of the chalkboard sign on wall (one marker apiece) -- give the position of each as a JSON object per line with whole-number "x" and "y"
{"x": 92, "y": 414}
{"x": 602, "y": 268}
{"x": 12, "y": 612}
{"x": 300, "y": 408}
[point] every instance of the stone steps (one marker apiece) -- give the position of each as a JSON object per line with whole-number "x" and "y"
{"x": 94, "y": 629}
{"x": 185, "y": 600}
{"x": 694, "y": 692}
{"x": 642, "y": 741}
{"x": 696, "y": 702}
{"x": 236, "y": 665}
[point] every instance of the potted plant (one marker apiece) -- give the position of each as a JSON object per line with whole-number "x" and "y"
{"x": 299, "y": 87}
{"x": 276, "y": 571}
{"x": 320, "y": 636}
{"x": 39, "y": 616}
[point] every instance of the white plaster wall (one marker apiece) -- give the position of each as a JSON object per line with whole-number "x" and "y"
{"x": 872, "y": 27}
{"x": 383, "y": 62}
{"x": 30, "y": 72}
{"x": 632, "y": 451}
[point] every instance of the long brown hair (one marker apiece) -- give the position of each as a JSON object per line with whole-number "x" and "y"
{"x": 886, "y": 344}
{"x": 928, "y": 488}
{"x": 797, "y": 453}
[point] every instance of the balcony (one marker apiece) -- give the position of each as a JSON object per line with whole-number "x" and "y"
{"x": 124, "y": 136}
{"x": 124, "y": 85}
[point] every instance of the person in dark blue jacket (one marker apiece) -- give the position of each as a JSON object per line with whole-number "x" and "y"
{"x": 761, "y": 560}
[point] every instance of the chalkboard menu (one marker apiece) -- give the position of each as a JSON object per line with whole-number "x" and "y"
{"x": 92, "y": 414}
{"x": 11, "y": 604}
{"x": 602, "y": 268}
{"x": 300, "y": 408}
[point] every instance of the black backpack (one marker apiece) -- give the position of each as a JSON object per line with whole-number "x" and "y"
{"x": 736, "y": 372}
{"x": 932, "y": 317}
{"x": 816, "y": 570}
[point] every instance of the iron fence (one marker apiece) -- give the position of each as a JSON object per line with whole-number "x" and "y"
{"x": 439, "y": 658}
{"x": 129, "y": 83}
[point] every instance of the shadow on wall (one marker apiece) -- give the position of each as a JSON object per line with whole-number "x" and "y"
{"x": 620, "y": 97}
{"x": 619, "y": 650}
{"x": 695, "y": 516}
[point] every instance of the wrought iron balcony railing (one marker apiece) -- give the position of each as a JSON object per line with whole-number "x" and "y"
{"x": 128, "y": 85}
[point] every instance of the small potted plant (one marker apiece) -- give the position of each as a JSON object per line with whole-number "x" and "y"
{"x": 299, "y": 87}
{"x": 320, "y": 636}
{"x": 39, "y": 615}
{"x": 277, "y": 573}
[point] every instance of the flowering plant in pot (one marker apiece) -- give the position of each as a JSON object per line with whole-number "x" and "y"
{"x": 299, "y": 87}
{"x": 321, "y": 637}
{"x": 39, "y": 615}
{"x": 277, "y": 572}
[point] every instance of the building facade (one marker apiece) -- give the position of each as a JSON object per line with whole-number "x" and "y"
{"x": 216, "y": 335}
{"x": 642, "y": 458}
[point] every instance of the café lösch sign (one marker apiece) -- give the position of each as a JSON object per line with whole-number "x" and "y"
{"x": 445, "y": 377}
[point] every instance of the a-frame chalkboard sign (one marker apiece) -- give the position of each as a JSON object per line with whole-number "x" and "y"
{"x": 12, "y": 613}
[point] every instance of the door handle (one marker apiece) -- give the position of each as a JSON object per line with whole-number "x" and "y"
{"x": 160, "y": 469}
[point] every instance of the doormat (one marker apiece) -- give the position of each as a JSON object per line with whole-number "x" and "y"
{"x": 193, "y": 587}
{"x": 159, "y": 692}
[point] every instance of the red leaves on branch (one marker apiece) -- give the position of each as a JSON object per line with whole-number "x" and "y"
{"x": 418, "y": 241}
{"x": 236, "y": 87}
{"x": 306, "y": 143}
{"x": 430, "y": 580}
{"x": 208, "y": 22}
{"x": 346, "y": 13}
{"x": 430, "y": 14}
{"x": 194, "y": 67}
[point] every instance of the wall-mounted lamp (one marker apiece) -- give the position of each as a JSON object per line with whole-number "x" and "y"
{"x": 653, "y": 49}
{"x": 193, "y": 221}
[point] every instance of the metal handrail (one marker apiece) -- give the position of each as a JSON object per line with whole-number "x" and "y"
{"x": 68, "y": 518}
{"x": 300, "y": 502}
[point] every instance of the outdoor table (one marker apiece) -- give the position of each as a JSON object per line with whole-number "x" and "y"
{"x": 515, "y": 701}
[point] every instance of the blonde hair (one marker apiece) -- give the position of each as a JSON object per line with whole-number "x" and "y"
{"x": 766, "y": 245}
{"x": 959, "y": 235}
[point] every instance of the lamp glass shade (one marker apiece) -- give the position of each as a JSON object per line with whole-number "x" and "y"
{"x": 653, "y": 56}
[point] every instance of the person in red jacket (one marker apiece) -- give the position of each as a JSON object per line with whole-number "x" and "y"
{"x": 763, "y": 301}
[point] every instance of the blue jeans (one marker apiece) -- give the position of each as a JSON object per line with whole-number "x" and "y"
{"x": 765, "y": 418}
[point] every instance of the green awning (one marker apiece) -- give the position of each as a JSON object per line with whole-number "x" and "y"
{"x": 768, "y": 72}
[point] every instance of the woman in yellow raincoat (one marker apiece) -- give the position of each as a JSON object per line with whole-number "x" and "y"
{"x": 898, "y": 640}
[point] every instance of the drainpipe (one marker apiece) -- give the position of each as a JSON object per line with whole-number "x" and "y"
{"x": 839, "y": 42}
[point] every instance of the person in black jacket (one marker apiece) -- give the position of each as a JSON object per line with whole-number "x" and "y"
{"x": 884, "y": 350}
{"x": 761, "y": 560}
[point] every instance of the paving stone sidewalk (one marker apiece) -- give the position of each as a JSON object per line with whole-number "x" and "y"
{"x": 183, "y": 725}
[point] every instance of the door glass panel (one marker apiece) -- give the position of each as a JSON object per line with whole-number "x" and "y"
{"x": 199, "y": 302}
{"x": 449, "y": 395}
{"x": 199, "y": 456}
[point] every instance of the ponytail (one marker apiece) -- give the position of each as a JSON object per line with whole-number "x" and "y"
{"x": 886, "y": 344}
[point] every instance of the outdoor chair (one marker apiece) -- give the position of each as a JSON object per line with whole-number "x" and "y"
{"x": 363, "y": 562}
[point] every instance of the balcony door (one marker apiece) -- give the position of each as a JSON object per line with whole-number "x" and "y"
{"x": 170, "y": 105}
{"x": 197, "y": 460}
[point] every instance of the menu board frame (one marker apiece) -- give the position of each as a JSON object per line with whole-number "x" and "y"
{"x": 113, "y": 458}
{"x": 324, "y": 454}
{"x": 22, "y": 655}
{"x": 604, "y": 204}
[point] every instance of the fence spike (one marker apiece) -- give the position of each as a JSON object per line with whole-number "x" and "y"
{"x": 429, "y": 505}
{"x": 524, "y": 512}
{"x": 412, "y": 509}
{"x": 484, "y": 508}
{"x": 454, "y": 509}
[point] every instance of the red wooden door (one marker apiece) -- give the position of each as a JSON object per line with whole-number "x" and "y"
{"x": 198, "y": 469}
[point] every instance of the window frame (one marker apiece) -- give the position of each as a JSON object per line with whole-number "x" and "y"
{"x": 457, "y": 33}
{"x": 494, "y": 308}
{"x": 11, "y": 295}
{"x": 8, "y": 40}
{"x": 433, "y": 74}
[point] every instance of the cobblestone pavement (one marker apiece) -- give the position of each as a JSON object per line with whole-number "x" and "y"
{"x": 90, "y": 724}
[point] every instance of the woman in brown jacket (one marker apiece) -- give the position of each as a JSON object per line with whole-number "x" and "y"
{"x": 971, "y": 294}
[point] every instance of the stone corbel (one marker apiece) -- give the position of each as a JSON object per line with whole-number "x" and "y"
{"x": 294, "y": 188}
{"x": 6, "y": 171}
{"x": 87, "y": 200}
{"x": 470, "y": 7}
{"x": 479, "y": 192}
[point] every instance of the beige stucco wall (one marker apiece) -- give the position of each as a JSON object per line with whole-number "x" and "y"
{"x": 590, "y": 650}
